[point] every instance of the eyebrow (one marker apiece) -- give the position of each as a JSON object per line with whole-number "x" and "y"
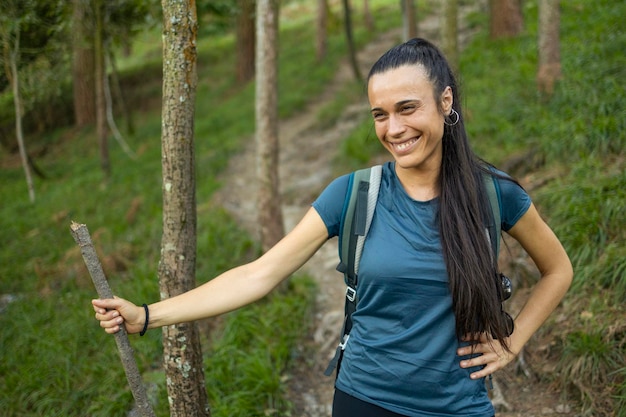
{"x": 398, "y": 104}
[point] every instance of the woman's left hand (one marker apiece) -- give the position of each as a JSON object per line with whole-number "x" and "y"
{"x": 491, "y": 355}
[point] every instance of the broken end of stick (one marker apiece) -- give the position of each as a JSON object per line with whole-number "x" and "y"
{"x": 75, "y": 226}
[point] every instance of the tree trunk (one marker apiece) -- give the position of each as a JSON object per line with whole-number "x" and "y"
{"x": 182, "y": 355}
{"x": 321, "y": 24}
{"x": 449, "y": 35}
{"x": 119, "y": 96}
{"x": 347, "y": 15}
{"x": 245, "y": 40}
{"x": 549, "y": 70}
{"x": 369, "y": 19}
{"x": 100, "y": 73}
{"x": 409, "y": 22}
{"x": 506, "y": 18}
{"x": 266, "y": 109}
{"x": 109, "y": 108}
{"x": 19, "y": 132}
{"x": 83, "y": 64}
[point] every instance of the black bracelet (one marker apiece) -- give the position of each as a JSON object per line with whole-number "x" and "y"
{"x": 145, "y": 325}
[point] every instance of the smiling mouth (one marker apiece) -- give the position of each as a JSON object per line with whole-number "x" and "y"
{"x": 403, "y": 146}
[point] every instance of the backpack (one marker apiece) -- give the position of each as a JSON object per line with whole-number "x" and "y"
{"x": 356, "y": 218}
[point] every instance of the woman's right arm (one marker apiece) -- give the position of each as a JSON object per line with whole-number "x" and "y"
{"x": 232, "y": 289}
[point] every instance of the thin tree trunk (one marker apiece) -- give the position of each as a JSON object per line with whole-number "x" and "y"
{"x": 409, "y": 27}
{"x": 100, "y": 73}
{"x": 347, "y": 15}
{"x": 245, "y": 40}
{"x": 506, "y": 18}
{"x": 182, "y": 355}
{"x": 119, "y": 96}
{"x": 83, "y": 64}
{"x": 549, "y": 70}
{"x": 321, "y": 25}
{"x": 266, "y": 110}
{"x": 450, "y": 44}
{"x": 368, "y": 18}
{"x": 19, "y": 132}
{"x": 109, "y": 111}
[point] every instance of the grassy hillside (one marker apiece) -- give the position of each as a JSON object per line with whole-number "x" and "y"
{"x": 54, "y": 360}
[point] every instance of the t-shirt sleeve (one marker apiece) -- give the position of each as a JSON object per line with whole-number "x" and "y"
{"x": 329, "y": 204}
{"x": 515, "y": 202}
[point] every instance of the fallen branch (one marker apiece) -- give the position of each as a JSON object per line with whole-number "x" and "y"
{"x": 82, "y": 238}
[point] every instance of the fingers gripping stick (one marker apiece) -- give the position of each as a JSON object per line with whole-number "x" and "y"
{"x": 82, "y": 238}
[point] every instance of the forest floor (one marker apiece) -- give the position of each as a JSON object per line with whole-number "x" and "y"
{"x": 306, "y": 167}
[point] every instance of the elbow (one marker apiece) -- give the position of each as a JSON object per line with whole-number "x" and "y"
{"x": 564, "y": 269}
{"x": 569, "y": 274}
{"x": 559, "y": 276}
{"x": 262, "y": 280}
{"x": 565, "y": 274}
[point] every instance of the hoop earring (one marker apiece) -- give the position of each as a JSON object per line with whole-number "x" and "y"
{"x": 456, "y": 119}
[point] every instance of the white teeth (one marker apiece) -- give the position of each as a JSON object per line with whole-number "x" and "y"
{"x": 404, "y": 145}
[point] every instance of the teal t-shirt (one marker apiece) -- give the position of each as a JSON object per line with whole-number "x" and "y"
{"x": 402, "y": 349}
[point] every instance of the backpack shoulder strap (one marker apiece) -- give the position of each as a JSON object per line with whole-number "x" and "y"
{"x": 357, "y": 215}
{"x": 494, "y": 229}
{"x": 358, "y": 211}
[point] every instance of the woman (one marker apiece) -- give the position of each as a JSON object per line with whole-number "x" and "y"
{"x": 428, "y": 328}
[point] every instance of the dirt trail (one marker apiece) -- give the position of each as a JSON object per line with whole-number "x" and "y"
{"x": 306, "y": 160}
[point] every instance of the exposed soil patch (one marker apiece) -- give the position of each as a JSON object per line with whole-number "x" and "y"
{"x": 306, "y": 159}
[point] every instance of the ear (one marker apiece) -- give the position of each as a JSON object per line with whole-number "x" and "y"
{"x": 447, "y": 101}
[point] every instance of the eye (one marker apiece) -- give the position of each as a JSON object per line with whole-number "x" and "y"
{"x": 379, "y": 116}
{"x": 407, "y": 108}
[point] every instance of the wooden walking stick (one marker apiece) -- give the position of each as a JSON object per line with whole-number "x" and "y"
{"x": 82, "y": 238}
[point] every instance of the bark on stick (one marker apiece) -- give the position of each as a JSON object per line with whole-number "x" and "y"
{"x": 83, "y": 239}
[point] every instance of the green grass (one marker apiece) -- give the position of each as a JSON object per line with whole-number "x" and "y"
{"x": 251, "y": 382}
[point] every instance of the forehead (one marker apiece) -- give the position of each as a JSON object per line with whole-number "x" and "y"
{"x": 402, "y": 83}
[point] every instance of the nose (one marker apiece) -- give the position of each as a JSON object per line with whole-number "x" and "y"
{"x": 396, "y": 126}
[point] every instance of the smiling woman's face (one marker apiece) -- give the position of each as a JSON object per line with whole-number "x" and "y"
{"x": 409, "y": 121}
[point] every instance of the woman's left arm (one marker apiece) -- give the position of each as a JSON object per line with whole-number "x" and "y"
{"x": 545, "y": 249}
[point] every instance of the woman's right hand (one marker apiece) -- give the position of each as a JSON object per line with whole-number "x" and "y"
{"x": 112, "y": 312}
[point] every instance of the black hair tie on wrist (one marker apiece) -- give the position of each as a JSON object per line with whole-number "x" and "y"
{"x": 145, "y": 325}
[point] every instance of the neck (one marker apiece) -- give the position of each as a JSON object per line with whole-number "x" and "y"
{"x": 419, "y": 183}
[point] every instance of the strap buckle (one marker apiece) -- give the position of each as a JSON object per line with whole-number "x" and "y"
{"x": 334, "y": 362}
{"x": 350, "y": 294}
{"x": 344, "y": 342}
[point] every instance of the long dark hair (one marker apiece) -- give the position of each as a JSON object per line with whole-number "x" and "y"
{"x": 464, "y": 206}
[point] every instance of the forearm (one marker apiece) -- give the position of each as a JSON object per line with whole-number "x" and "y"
{"x": 227, "y": 292}
{"x": 556, "y": 275}
{"x": 544, "y": 298}
{"x": 232, "y": 289}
